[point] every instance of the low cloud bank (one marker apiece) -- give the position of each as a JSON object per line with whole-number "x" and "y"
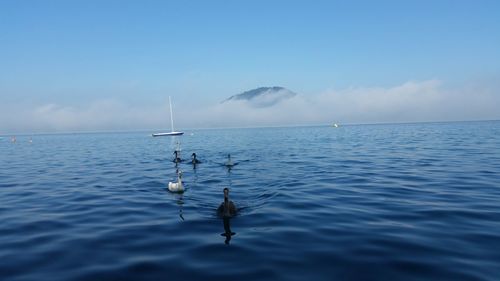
{"x": 409, "y": 102}
{"x": 100, "y": 115}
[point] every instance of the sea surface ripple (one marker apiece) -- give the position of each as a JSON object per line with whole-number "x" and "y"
{"x": 361, "y": 202}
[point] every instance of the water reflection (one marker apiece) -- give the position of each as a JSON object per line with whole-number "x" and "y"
{"x": 227, "y": 230}
{"x": 177, "y": 150}
{"x": 180, "y": 203}
{"x": 179, "y": 200}
{"x": 195, "y": 178}
{"x": 179, "y": 197}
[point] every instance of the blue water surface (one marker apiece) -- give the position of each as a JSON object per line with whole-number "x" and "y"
{"x": 360, "y": 202}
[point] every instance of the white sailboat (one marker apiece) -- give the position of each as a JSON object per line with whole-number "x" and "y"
{"x": 173, "y": 132}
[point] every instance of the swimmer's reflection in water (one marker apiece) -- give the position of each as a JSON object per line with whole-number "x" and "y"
{"x": 180, "y": 202}
{"x": 227, "y": 230}
{"x": 226, "y": 210}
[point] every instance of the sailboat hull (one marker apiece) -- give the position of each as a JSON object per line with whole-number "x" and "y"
{"x": 168, "y": 134}
{"x": 172, "y": 133}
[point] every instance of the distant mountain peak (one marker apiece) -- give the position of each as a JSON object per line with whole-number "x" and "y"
{"x": 263, "y": 96}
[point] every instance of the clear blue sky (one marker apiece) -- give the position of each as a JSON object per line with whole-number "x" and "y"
{"x": 138, "y": 52}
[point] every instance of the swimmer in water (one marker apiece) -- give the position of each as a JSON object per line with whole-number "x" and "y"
{"x": 177, "y": 157}
{"x": 229, "y": 162}
{"x": 226, "y": 208}
{"x": 194, "y": 160}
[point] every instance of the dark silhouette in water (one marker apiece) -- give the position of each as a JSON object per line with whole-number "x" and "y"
{"x": 229, "y": 163}
{"x": 177, "y": 157}
{"x": 194, "y": 161}
{"x": 226, "y": 208}
{"x": 227, "y": 230}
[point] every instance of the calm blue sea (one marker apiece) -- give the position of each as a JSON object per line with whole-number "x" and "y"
{"x": 364, "y": 202}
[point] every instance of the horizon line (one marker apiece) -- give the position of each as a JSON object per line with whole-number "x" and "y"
{"x": 150, "y": 131}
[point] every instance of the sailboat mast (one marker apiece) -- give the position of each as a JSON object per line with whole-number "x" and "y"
{"x": 171, "y": 114}
{"x": 172, "y": 133}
